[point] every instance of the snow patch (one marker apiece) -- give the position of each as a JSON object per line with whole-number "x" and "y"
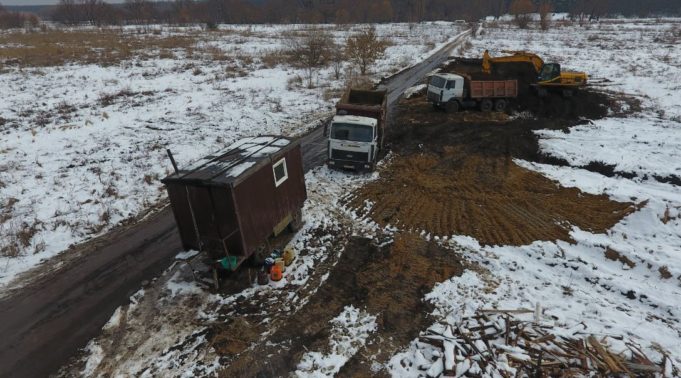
{"x": 349, "y": 332}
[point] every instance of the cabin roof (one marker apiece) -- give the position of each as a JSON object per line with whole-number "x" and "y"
{"x": 232, "y": 162}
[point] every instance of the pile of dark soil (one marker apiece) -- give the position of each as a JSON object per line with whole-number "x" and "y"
{"x": 487, "y": 197}
{"x": 388, "y": 282}
{"x": 417, "y": 127}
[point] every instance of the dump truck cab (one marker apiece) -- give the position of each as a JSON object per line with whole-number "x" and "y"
{"x": 444, "y": 87}
{"x": 356, "y": 132}
{"x": 353, "y": 142}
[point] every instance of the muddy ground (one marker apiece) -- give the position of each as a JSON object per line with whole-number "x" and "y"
{"x": 487, "y": 197}
{"x": 449, "y": 174}
{"x": 388, "y": 281}
{"x": 453, "y": 174}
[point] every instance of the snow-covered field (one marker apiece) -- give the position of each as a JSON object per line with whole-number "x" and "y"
{"x": 625, "y": 282}
{"x": 636, "y": 292}
{"x": 83, "y": 145}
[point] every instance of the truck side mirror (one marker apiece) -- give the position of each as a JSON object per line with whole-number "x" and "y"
{"x": 326, "y": 129}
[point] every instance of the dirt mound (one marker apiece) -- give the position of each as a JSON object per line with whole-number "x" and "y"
{"x": 487, "y": 197}
{"x": 417, "y": 127}
{"x": 388, "y": 282}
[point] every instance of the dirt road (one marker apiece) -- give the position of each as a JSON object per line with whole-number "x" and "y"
{"x": 48, "y": 320}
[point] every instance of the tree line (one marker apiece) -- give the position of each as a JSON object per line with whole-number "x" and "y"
{"x": 11, "y": 20}
{"x": 337, "y": 11}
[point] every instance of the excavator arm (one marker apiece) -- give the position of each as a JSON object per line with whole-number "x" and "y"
{"x": 548, "y": 75}
{"x": 515, "y": 57}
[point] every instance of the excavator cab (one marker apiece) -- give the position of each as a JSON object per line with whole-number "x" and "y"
{"x": 550, "y": 72}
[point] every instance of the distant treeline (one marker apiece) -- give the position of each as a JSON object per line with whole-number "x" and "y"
{"x": 334, "y": 11}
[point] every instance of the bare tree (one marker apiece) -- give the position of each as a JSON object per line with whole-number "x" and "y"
{"x": 522, "y": 10}
{"x": 68, "y": 12}
{"x": 139, "y": 11}
{"x": 365, "y": 48}
{"x": 13, "y": 20}
{"x": 579, "y": 11}
{"x": 343, "y": 17}
{"x": 181, "y": 12}
{"x": 545, "y": 10}
{"x": 311, "y": 51}
{"x": 498, "y": 8}
{"x": 598, "y": 8}
{"x": 99, "y": 12}
{"x": 380, "y": 11}
{"x": 337, "y": 59}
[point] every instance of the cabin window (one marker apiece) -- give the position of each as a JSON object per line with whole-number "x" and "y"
{"x": 437, "y": 81}
{"x": 280, "y": 172}
{"x": 451, "y": 84}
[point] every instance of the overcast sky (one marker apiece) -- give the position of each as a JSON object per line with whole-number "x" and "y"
{"x": 40, "y": 2}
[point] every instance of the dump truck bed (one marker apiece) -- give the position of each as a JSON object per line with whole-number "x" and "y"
{"x": 493, "y": 88}
{"x": 361, "y": 102}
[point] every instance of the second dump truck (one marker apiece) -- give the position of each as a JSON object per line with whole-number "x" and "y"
{"x": 457, "y": 91}
{"x": 357, "y": 131}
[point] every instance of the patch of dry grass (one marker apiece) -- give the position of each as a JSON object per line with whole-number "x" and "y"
{"x": 104, "y": 47}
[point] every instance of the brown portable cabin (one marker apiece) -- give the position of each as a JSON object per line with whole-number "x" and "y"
{"x": 229, "y": 203}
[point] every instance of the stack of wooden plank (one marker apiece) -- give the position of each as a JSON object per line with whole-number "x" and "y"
{"x": 498, "y": 343}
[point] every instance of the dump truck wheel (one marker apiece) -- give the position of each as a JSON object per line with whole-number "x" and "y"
{"x": 296, "y": 221}
{"x": 500, "y": 105}
{"x": 452, "y": 106}
{"x": 486, "y": 105}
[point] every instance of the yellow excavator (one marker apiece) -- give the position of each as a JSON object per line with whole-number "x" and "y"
{"x": 549, "y": 75}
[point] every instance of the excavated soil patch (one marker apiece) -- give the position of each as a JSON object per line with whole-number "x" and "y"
{"x": 417, "y": 127}
{"x": 487, "y": 197}
{"x": 388, "y": 282}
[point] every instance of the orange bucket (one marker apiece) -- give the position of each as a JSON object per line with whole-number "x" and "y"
{"x": 275, "y": 273}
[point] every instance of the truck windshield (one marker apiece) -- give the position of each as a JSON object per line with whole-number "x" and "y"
{"x": 438, "y": 82}
{"x": 353, "y": 133}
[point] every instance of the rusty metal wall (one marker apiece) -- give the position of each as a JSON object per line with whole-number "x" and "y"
{"x": 178, "y": 201}
{"x": 214, "y": 214}
{"x": 261, "y": 205}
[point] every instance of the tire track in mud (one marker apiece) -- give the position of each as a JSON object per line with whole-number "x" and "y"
{"x": 494, "y": 203}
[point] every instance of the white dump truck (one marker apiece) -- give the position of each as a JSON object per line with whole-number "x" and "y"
{"x": 452, "y": 92}
{"x": 357, "y": 131}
